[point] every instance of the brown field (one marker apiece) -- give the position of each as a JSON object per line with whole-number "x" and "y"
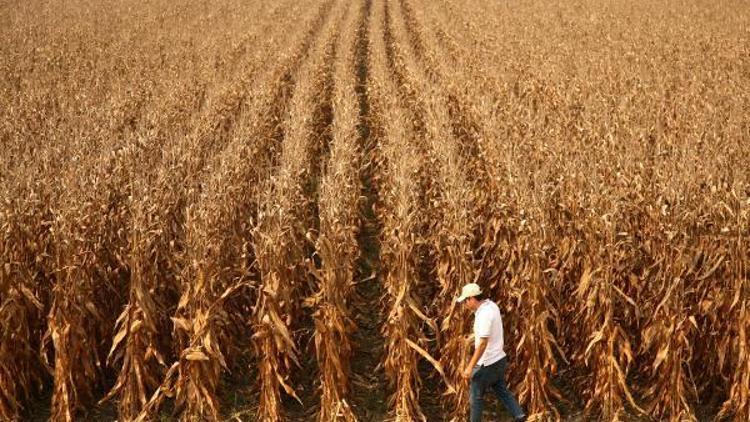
{"x": 249, "y": 210}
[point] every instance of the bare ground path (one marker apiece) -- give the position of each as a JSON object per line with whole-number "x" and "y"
{"x": 369, "y": 397}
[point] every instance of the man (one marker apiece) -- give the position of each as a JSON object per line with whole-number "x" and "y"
{"x": 486, "y": 369}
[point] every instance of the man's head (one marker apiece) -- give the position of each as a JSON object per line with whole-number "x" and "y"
{"x": 471, "y": 296}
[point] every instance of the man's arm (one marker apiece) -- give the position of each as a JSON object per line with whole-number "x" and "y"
{"x": 478, "y": 352}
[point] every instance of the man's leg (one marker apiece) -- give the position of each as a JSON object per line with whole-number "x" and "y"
{"x": 476, "y": 391}
{"x": 502, "y": 392}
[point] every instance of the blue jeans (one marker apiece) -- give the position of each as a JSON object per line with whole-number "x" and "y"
{"x": 492, "y": 376}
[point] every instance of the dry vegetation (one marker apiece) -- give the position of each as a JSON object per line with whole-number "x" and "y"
{"x": 182, "y": 192}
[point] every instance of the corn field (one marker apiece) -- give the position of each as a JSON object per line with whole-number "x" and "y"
{"x": 249, "y": 210}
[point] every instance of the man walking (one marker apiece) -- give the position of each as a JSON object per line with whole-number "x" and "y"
{"x": 486, "y": 369}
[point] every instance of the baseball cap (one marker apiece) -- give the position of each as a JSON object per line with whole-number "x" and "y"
{"x": 469, "y": 290}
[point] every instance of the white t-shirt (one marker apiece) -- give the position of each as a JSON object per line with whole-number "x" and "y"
{"x": 489, "y": 323}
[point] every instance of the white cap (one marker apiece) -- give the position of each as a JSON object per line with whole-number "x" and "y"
{"x": 469, "y": 290}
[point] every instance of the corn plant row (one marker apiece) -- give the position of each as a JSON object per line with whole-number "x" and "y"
{"x": 399, "y": 173}
{"x": 336, "y": 244}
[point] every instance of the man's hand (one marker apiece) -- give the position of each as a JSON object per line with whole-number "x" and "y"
{"x": 475, "y": 358}
{"x": 467, "y": 373}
